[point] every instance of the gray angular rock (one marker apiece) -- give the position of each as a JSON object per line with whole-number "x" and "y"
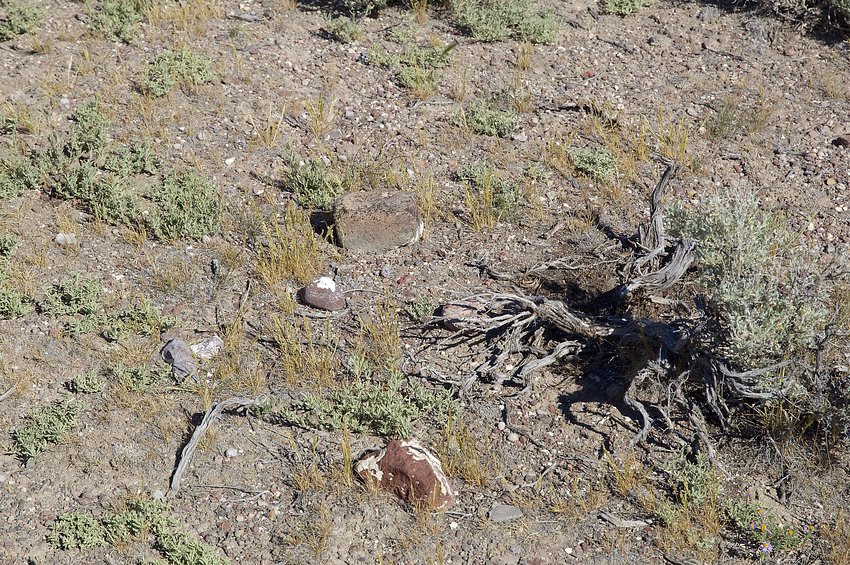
{"x": 176, "y": 353}
{"x": 504, "y": 513}
{"x": 377, "y": 221}
{"x": 323, "y": 294}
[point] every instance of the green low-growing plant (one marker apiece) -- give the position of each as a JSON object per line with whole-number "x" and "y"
{"x": 137, "y": 379}
{"x": 78, "y": 301}
{"x": 45, "y": 426}
{"x": 314, "y": 186}
{"x": 417, "y": 68}
{"x": 21, "y": 18}
{"x": 387, "y": 408}
{"x": 758, "y": 275}
{"x": 624, "y": 7}
{"x": 136, "y": 159}
{"x": 141, "y": 519}
{"x": 189, "y": 207}
{"x": 766, "y": 533}
{"x": 482, "y": 118}
{"x": 495, "y": 20}
{"x": 598, "y": 164}
{"x": 89, "y": 382}
{"x": 172, "y": 68}
{"x": 491, "y": 196}
{"x": 344, "y": 29}
{"x": 117, "y": 19}
{"x": 144, "y": 319}
{"x": 13, "y": 302}
{"x": 106, "y": 197}
{"x": 420, "y": 310}
{"x": 89, "y": 132}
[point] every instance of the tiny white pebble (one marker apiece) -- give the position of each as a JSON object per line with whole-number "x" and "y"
{"x": 513, "y": 437}
{"x": 501, "y": 425}
{"x": 231, "y": 452}
{"x": 229, "y": 161}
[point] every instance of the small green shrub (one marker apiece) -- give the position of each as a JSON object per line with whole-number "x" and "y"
{"x": 77, "y": 530}
{"x": 359, "y": 9}
{"x": 15, "y": 177}
{"x": 88, "y": 137}
{"x": 105, "y": 197}
{"x": 758, "y": 277}
{"x": 765, "y": 532}
{"x": 344, "y": 29}
{"x": 72, "y": 296}
{"x": 46, "y": 426}
{"x": 173, "y": 68}
{"x": 420, "y": 310}
{"x": 598, "y": 164}
{"x": 495, "y": 20}
{"x": 624, "y": 7}
{"x": 140, "y": 519}
{"x": 416, "y": 68}
{"x": 13, "y": 302}
{"x": 189, "y": 207}
{"x": 117, "y": 19}
{"x": 387, "y": 409}
{"x": 138, "y": 158}
{"x": 313, "y": 185}
{"x": 144, "y": 319}
{"x": 490, "y": 196}
{"x": 21, "y": 18}
{"x": 482, "y": 118}
{"x": 137, "y": 379}
{"x": 89, "y": 382}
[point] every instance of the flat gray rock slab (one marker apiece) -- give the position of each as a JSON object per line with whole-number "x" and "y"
{"x": 504, "y": 513}
{"x": 377, "y": 221}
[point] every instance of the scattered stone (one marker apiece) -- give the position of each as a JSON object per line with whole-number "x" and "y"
{"x": 504, "y": 513}
{"x": 176, "y": 353}
{"x": 376, "y": 221}
{"x": 66, "y": 239}
{"x": 501, "y": 426}
{"x": 513, "y": 437}
{"x": 208, "y": 348}
{"x": 461, "y": 315}
{"x": 409, "y": 471}
{"x": 387, "y": 271}
{"x": 229, "y": 161}
{"x": 231, "y": 452}
{"x": 158, "y": 495}
{"x": 842, "y": 140}
{"x": 588, "y": 74}
{"x": 520, "y": 137}
{"x": 323, "y": 294}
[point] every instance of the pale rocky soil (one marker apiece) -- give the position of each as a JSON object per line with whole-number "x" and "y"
{"x": 681, "y": 58}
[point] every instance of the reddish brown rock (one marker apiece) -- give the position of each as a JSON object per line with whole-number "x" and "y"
{"x": 377, "y": 221}
{"x": 409, "y": 471}
{"x": 462, "y": 315}
{"x": 323, "y": 294}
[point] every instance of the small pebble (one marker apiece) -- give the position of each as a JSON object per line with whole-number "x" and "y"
{"x": 158, "y": 495}
{"x": 513, "y": 437}
{"x": 501, "y": 426}
{"x": 229, "y": 161}
{"x": 231, "y": 452}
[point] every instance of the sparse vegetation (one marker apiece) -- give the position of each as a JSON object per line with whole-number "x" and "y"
{"x": 344, "y": 29}
{"x": 288, "y": 249}
{"x": 493, "y": 20}
{"x": 89, "y": 382}
{"x": 176, "y": 68}
{"x": 21, "y": 18}
{"x": 490, "y": 196}
{"x": 598, "y": 164}
{"x": 117, "y": 19}
{"x": 189, "y": 207}
{"x": 624, "y": 7}
{"x": 482, "y": 118}
{"x": 45, "y": 426}
{"x": 314, "y": 186}
{"x": 140, "y": 519}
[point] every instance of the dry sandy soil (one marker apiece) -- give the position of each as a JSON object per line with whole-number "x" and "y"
{"x": 261, "y": 491}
